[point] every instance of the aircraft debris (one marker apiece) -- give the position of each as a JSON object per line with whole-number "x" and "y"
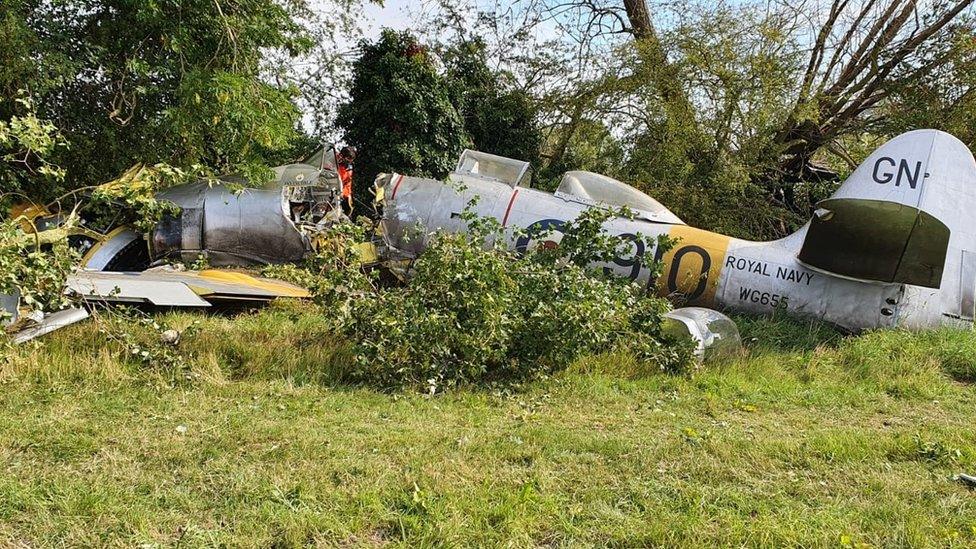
{"x": 232, "y": 223}
{"x": 170, "y": 337}
{"x": 50, "y": 322}
{"x": 9, "y": 307}
{"x": 714, "y": 334}
{"x": 165, "y": 286}
{"x": 968, "y": 480}
{"x": 894, "y": 246}
{"x": 225, "y": 221}
{"x": 160, "y": 287}
{"x": 228, "y": 221}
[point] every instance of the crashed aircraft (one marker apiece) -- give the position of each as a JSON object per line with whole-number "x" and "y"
{"x": 894, "y": 246}
{"x": 230, "y": 221}
{"x": 227, "y": 222}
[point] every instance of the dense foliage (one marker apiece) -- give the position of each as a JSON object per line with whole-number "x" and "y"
{"x": 27, "y": 144}
{"x": 177, "y": 82}
{"x": 402, "y": 112}
{"x": 33, "y": 268}
{"x": 497, "y": 118}
{"x": 739, "y": 116}
{"x": 412, "y": 109}
{"x": 474, "y": 312}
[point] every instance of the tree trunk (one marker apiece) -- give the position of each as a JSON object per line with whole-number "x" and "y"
{"x": 640, "y": 19}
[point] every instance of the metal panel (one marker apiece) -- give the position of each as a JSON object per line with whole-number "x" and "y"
{"x": 165, "y": 286}
{"x": 133, "y": 288}
{"x": 967, "y": 286}
{"x": 183, "y": 232}
{"x": 106, "y": 254}
{"x": 249, "y": 227}
{"x": 51, "y": 322}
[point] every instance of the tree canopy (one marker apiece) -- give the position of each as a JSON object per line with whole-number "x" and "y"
{"x": 412, "y": 109}
{"x": 761, "y": 106}
{"x": 402, "y": 113}
{"x": 739, "y": 116}
{"x": 186, "y": 82}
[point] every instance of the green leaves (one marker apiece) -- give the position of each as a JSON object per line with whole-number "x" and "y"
{"x": 181, "y": 82}
{"x": 36, "y": 272}
{"x": 408, "y": 115}
{"x": 496, "y": 119}
{"x": 233, "y": 121}
{"x": 131, "y": 199}
{"x": 402, "y": 112}
{"x": 27, "y": 144}
{"x": 474, "y": 312}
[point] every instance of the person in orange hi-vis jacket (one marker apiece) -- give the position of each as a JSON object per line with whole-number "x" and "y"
{"x": 344, "y": 165}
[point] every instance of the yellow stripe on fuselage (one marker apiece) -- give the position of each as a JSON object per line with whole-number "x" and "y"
{"x": 693, "y": 266}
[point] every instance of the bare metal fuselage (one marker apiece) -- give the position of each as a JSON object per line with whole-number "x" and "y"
{"x": 703, "y": 269}
{"x": 712, "y": 270}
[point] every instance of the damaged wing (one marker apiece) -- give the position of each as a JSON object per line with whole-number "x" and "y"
{"x": 167, "y": 287}
{"x": 160, "y": 287}
{"x": 51, "y": 322}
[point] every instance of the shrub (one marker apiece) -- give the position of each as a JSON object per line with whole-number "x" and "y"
{"x": 475, "y": 312}
{"x": 333, "y": 274}
{"x": 34, "y": 267}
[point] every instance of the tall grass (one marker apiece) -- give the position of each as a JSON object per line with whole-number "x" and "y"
{"x": 293, "y": 340}
{"x": 811, "y": 438}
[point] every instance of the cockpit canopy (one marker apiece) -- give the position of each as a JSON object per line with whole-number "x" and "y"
{"x": 593, "y": 188}
{"x": 577, "y": 186}
{"x": 477, "y": 165}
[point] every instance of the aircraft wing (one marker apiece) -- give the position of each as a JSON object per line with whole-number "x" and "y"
{"x": 162, "y": 287}
{"x": 167, "y": 287}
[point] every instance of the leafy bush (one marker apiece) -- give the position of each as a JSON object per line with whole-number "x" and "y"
{"x": 34, "y": 268}
{"x": 333, "y": 273}
{"x": 475, "y": 312}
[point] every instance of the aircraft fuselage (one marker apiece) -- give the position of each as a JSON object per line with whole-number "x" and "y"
{"x": 702, "y": 268}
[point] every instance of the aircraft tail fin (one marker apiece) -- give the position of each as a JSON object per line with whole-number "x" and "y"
{"x": 903, "y": 216}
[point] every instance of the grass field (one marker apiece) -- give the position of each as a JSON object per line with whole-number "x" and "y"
{"x": 810, "y": 440}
